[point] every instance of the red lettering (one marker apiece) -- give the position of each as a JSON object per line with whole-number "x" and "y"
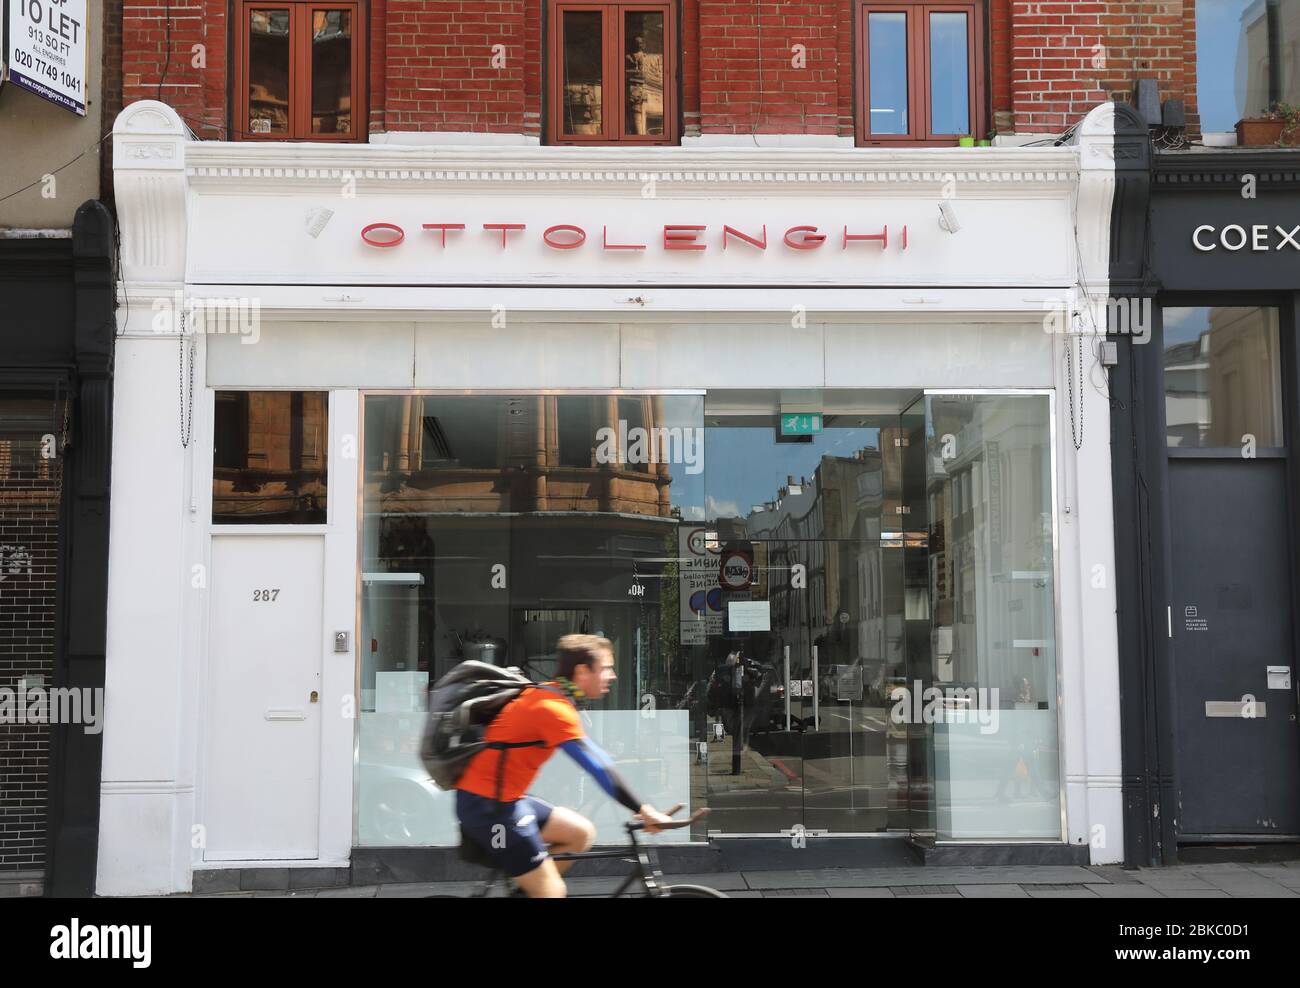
{"x": 732, "y": 231}
{"x": 682, "y": 237}
{"x": 609, "y": 246}
{"x": 505, "y": 228}
{"x": 810, "y": 241}
{"x": 577, "y": 231}
{"x": 393, "y": 227}
{"x": 444, "y": 227}
{"x": 882, "y": 238}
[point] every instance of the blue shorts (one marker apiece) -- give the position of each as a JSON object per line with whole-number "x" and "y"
{"x": 510, "y": 833}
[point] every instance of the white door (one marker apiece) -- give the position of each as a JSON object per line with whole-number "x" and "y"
{"x": 262, "y": 789}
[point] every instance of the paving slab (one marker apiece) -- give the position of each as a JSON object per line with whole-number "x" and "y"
{"x": 862, "y": 893}
{"x": 1041, "y": 893}
{"x": 350, "y": 892}
{"x": 1290, "y": 877}
{"x": 1135, "y": 891}
{"x": 1172, "y": 879}
{"x": 419, "y": 890}
{"x": 723, "y": 881}
{"x": 1175, "y": 893}
{"x": 992, "y": 892}
{"x": 891, "y": 877}
{"x": 1250, "y": 886}
{"x": 599, "y": 886}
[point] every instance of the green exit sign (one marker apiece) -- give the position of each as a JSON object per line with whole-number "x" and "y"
{"x": 802, "y": 424}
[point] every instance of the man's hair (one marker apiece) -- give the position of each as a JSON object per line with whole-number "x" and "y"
{"x": 579, "y": 650}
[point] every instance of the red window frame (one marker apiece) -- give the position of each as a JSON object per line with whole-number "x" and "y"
{"x": 300, "y": 18}
{"x": 920, "y": 130}
{"x": 613, "y": 124}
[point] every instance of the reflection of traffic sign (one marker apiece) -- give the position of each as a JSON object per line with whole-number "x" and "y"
{"x": 710, "y": 600}
{"x": 737, "y": 570}
{"x": 801, "y": 424}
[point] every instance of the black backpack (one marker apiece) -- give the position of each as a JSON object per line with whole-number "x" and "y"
{"x": 461, "y": 706}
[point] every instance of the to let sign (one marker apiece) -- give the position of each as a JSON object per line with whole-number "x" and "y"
{"x": 47, "y": 50}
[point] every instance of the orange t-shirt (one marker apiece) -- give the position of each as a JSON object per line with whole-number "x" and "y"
{"x": 536, "y": 715}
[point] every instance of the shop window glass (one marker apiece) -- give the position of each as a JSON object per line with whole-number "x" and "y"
{"x": 920, "y": 72}
{"x": 991, "y": 749}
{"x": 1247, "y": 58}
{"x": 1223, "y": 377}
{"x": 613, "y": 73}
{"x": 331, "y": 71}
{"x": 269, "y": 457}
{"x": 766, "y": 602}
{"x": 888, "y": 72}
{"x": 577, "y": 433}
{"x": 299, "y": 71}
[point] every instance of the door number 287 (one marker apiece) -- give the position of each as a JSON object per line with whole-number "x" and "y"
{"x": 266, "y": 595}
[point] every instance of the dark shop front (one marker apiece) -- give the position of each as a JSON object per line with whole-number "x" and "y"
{"x": 1207, "y": 505}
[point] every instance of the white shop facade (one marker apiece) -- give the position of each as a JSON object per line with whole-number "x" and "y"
{"x": 804, "y": 453}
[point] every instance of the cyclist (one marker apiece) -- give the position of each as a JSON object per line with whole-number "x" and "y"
{"x": 492, "y": 801}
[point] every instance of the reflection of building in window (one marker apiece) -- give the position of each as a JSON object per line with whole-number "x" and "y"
{"x": 331, "y": 72}
{"x": 991, "y": 550}
{"x": 1225, "y": 384}
{"x": 644, "y": 85}
{"x": 268, "y": 71}
{"x": 269, "y": 457}
{"x": 456, "y": 486}
{"x": 513, "y": 454}
{"x": 1268, "y": 55}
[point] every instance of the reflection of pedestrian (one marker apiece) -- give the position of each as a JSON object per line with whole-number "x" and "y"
{"x": 727, "y": 698}
{"x": 1022, "y": 755}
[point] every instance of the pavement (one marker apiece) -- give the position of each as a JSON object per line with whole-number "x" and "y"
{"x": 1279, "y": 880}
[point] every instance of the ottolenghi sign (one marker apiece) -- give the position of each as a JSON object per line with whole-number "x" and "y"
{"x": 47, "y": 50}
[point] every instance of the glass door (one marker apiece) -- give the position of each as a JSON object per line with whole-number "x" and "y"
{"x": 981, "y": 698}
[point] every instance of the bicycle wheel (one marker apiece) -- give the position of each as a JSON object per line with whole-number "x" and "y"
{"x": 693, "y": 892}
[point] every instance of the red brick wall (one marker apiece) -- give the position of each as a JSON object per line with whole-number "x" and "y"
{"x": 1054, "y": 81}
{"x": 439, "y": 60}
{"x": 198, "y": 94}
{"x": 748, "y": 83}
{"x": 430, "y": 62}
{"x": 111, "y": 88}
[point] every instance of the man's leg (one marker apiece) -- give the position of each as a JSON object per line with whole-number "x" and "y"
{"x": 567, "y": 832}
{"x": 543, "y": 882}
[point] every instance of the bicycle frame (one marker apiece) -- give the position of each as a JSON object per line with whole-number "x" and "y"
{"x": 646, "y": 860}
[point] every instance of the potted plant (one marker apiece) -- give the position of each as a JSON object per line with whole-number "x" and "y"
{"x": 1290, "y": 136}
{"x": 1268, "y": 127}
{"x": 966, "y": 142}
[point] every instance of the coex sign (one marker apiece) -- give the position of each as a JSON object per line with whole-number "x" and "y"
{"x": 1214, "y": 240}
{"x": 1260, "y": 237}
{"x": 46, "y": 50}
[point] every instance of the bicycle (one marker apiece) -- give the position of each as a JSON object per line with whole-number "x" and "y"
{"x": 645, "y": 859}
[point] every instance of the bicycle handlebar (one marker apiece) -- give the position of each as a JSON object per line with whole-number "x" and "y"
{"x": 635, "y": 824}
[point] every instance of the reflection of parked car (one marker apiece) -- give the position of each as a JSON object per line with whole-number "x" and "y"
{"x": 399, "y": 804}
{"x": 841, "y": 682}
